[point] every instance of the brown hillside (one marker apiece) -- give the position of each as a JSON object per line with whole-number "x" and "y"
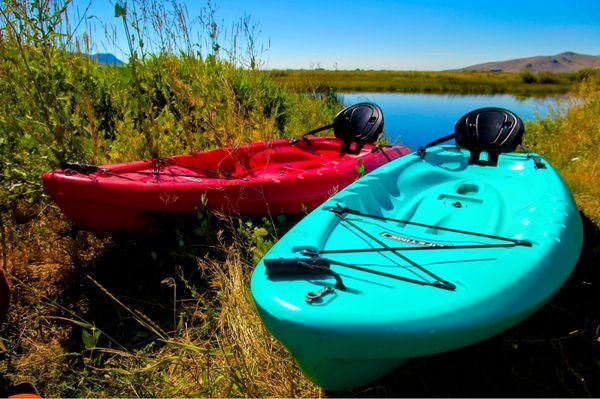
{"x": 563, "y": 62}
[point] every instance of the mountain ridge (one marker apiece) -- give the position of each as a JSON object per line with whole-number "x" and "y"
{"x": 105, "y": 58}
{"x": 567, "y": 61}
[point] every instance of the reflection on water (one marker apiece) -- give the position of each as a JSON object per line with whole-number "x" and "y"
{"x": 416, "y": 119}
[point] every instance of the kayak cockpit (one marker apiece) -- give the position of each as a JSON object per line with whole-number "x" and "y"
{"x": 275, "y": 158}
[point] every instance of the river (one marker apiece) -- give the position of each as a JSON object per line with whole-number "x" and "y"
{"x": 416, "y": 119}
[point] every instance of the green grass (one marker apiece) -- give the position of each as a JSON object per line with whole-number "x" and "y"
{"x": 570, "y": 140}
{"x": 428, "y": 82}
{"x": 134, "y": 316}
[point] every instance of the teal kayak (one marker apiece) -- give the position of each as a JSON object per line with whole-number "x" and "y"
{"x": 428, "y": 253}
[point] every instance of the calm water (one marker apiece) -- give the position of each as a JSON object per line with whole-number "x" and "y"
{"x": 417, "y": 119}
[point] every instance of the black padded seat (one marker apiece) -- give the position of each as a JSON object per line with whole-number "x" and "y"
{"x": 493, "y": 130}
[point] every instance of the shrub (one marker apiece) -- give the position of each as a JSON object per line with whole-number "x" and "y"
{"x": 527, "y": 76}
{"x": 547, "y": 78}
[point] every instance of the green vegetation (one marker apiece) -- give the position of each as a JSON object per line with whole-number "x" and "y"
{"x": 570, "y": 140}
{"x": 135, "y": 316}
{"x": 468, "y": 82}
{"x": 171, "y": 314}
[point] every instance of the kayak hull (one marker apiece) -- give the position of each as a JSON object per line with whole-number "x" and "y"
{"x": 338, "y": 363}
{"x": 256, "y": 179}
{"x": 353, "y": 337}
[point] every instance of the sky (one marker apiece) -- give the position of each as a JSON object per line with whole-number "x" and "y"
{"x": 400, "y": 35}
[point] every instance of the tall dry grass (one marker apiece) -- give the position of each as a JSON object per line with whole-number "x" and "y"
{"x": 146, "y": 316}
{"x": 569, "y": 137}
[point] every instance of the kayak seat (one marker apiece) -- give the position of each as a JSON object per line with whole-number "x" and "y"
{"x": 329, "y": 148}
{"x": 490, "y": 130}
{"x": 273, "y": 157}
{"x": 219, "y": 160}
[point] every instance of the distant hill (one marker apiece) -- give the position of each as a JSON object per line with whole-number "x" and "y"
{"x": 563, "y": 62}
{"x": 106, "y": 58}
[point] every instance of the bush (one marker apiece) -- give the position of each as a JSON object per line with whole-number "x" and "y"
{"x": 585, "y": 74}
{"x": 547, "y": 78}
{"x": 527, "y": 76}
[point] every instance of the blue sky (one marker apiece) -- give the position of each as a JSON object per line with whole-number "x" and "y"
{"x": 415, "y": 35}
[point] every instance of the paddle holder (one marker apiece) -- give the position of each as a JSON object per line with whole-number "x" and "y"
{"x": 355, "y": 126}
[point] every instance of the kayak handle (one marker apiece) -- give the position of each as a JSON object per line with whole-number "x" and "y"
{"x": 296, "y": 266}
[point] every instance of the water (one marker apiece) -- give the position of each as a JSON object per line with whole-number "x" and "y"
{"x": 417, "y": 119}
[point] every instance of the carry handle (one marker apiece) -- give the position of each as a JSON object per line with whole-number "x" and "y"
{"x": 296, "y": 266}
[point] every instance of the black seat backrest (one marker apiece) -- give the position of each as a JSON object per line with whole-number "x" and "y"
{"x": 359, "y": 124}
{"x": 494, "y": 130}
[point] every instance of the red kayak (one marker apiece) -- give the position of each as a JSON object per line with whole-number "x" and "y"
{"x": 280, "y": 176}
{"x": 255, "y": 179}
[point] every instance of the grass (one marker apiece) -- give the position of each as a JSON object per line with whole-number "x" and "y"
{"x": 570, "y": 140}
{"x": 155, "y": 316}
{"x": 171, "y": 314}
{"x": 134, "y": 316}
{"x": 524, "y": 84}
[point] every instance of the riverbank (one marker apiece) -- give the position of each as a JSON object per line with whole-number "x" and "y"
{"x": 524, "y": 84}
{"x": 171, "y": 315}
